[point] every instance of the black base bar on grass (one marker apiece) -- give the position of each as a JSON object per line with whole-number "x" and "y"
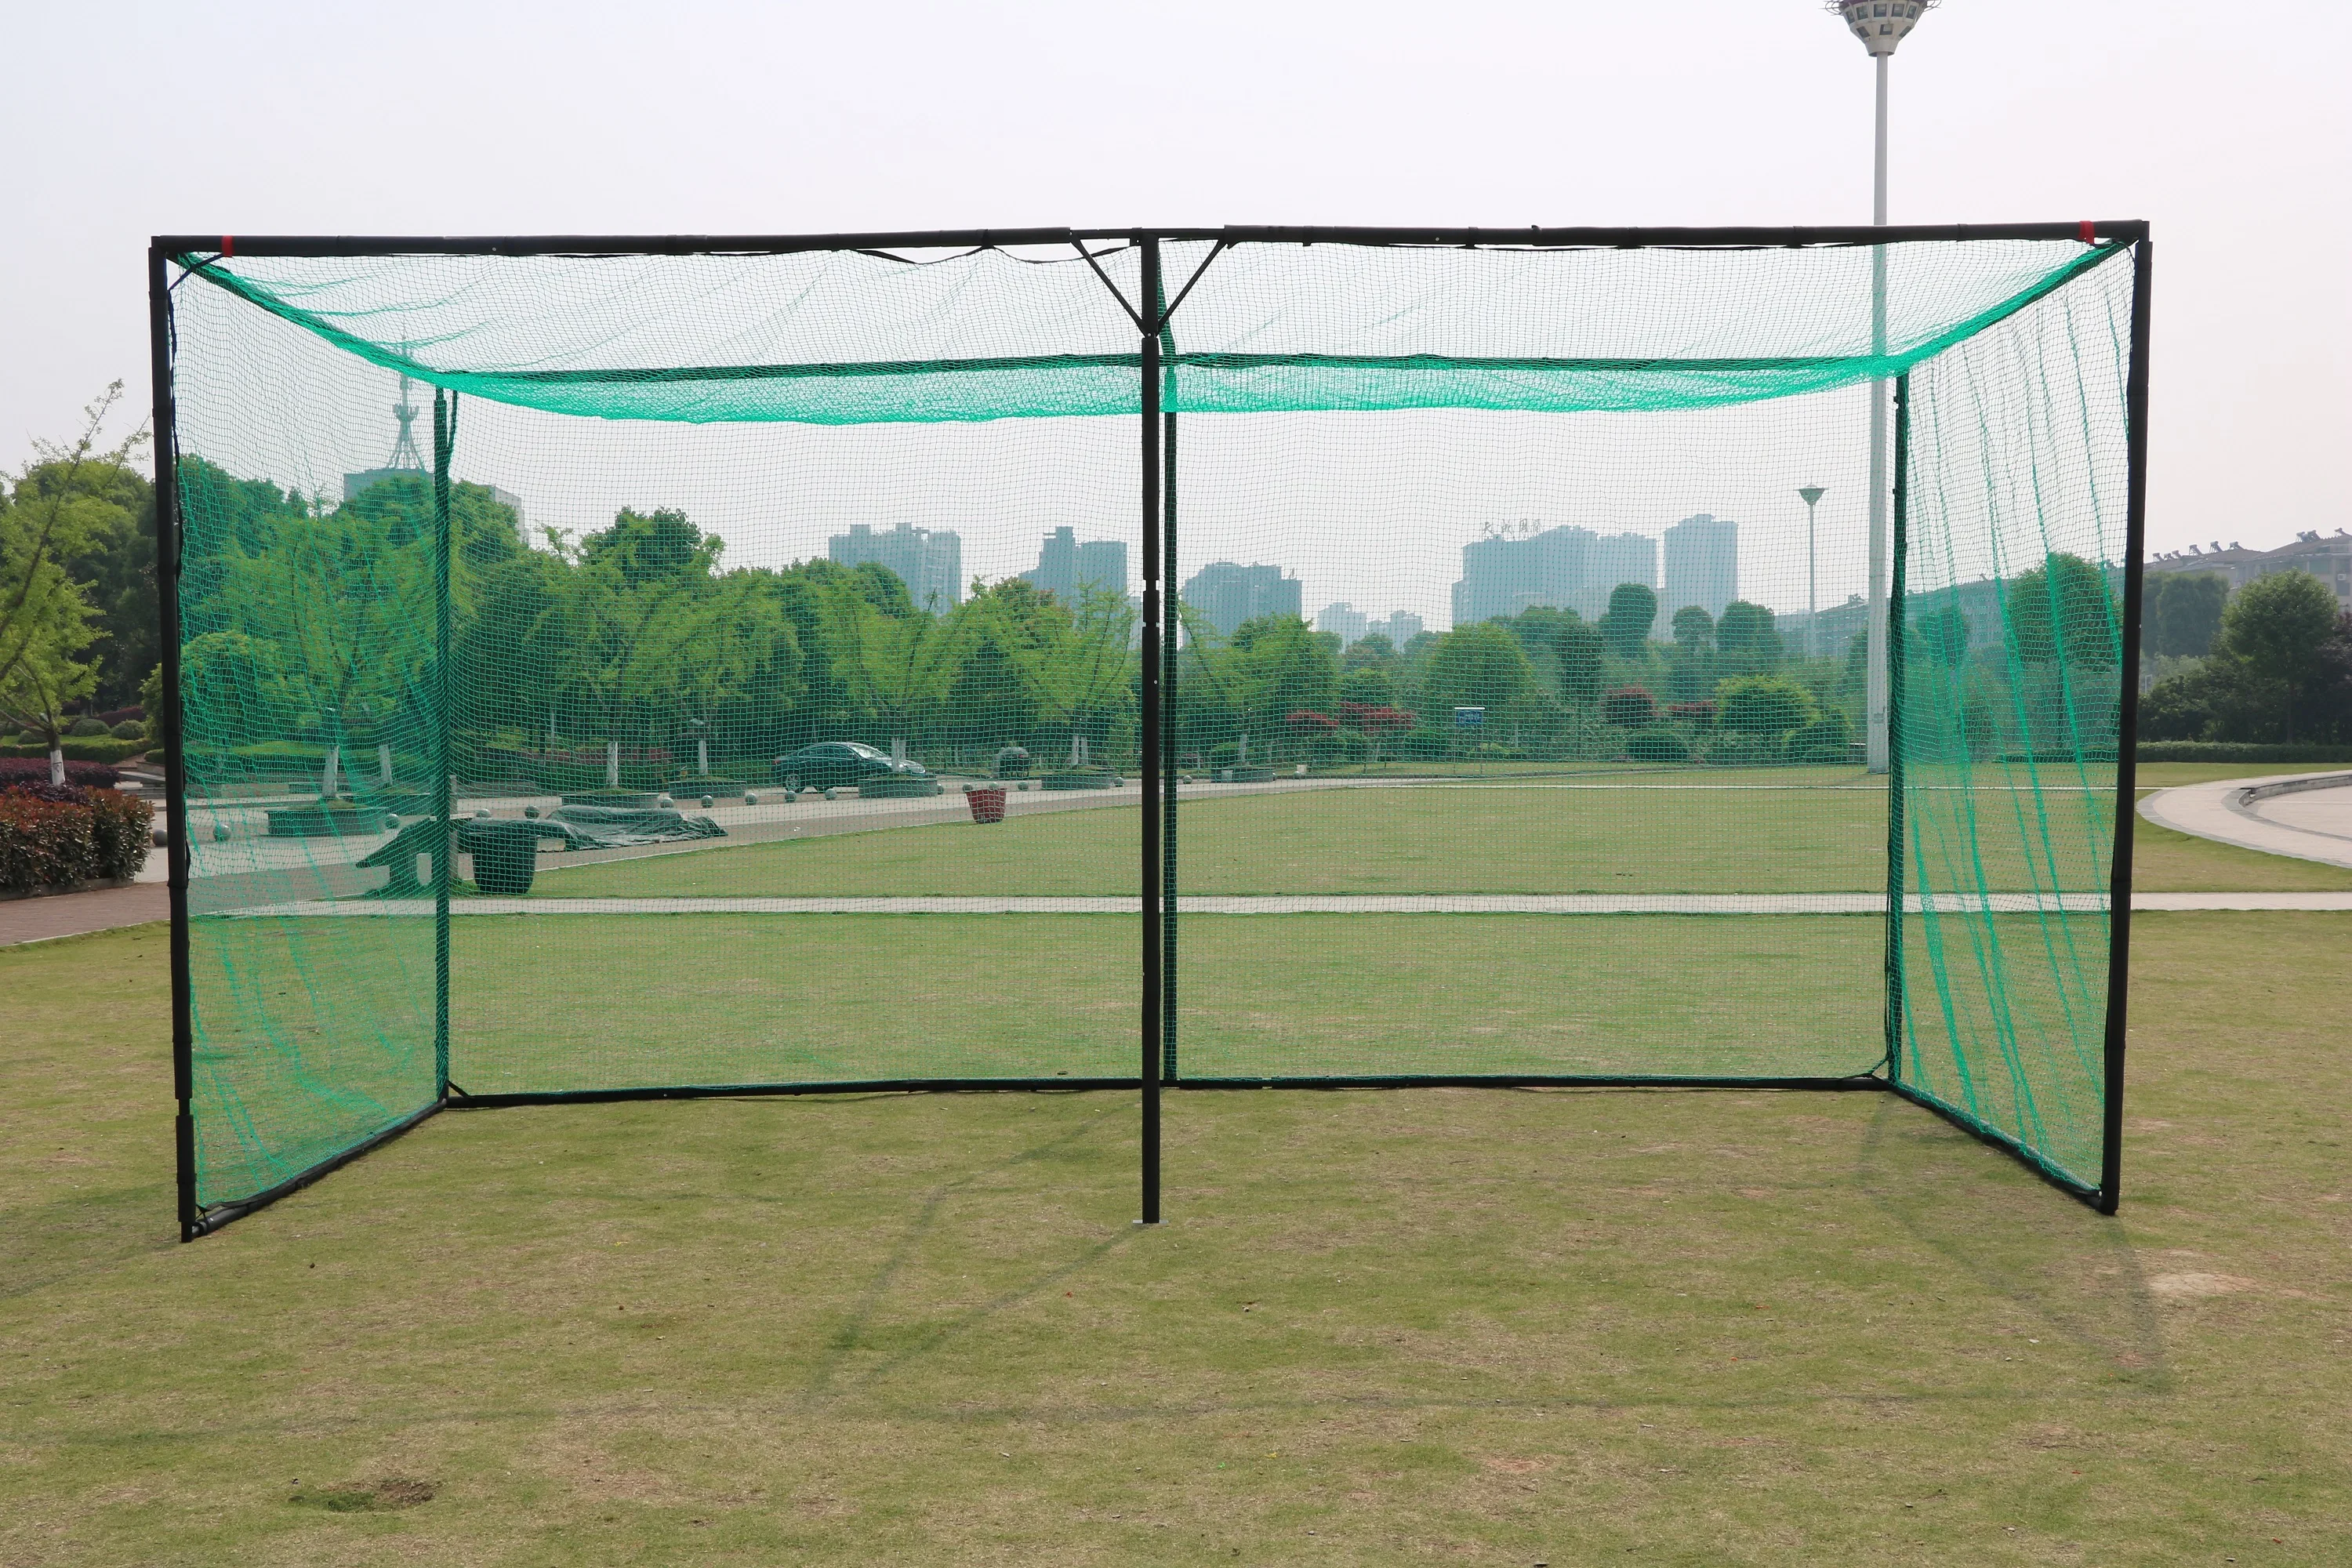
{"x": 2073, "y": 1186}
{"x": 1537, "y": 1081}
{"x": 219, "y": 1215}
{"x": 756, "y": 1090}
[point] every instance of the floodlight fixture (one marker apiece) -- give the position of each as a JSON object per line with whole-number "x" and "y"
{"x": 1881, "y": 25}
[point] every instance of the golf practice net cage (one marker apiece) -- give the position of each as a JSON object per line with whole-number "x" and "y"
{"x": 606, "y": 669}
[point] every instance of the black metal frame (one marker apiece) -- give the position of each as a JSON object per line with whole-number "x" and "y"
{"x": 1151, "y": 314}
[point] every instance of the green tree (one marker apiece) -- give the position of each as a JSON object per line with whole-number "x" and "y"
{"x": 56, "y": 513}
{"x": 1762, "y": 706}
{"x": 1075, "y": 660}
{"x": 115, "y": 566}
{"x": 1693, "y": 628}
{"x": 2180, "y": 613}
{"x": 2063, "y": 610}
{"x": 1747, "y": 636}
{"x": 2276, "y": 624}
{"x": 1476, "y": 666}
{"x": 1943, "y": 632}
{"x": 1371, "y": 686}
{"x": 1577, "y": 651}
{"x": 1372, "y": 652}
{"x": 1625, "y": 625}
{"x": 1288, "y": 668}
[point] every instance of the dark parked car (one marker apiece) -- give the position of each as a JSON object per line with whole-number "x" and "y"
{"x": 831, "y": 764}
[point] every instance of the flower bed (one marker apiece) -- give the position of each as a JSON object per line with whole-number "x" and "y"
{"x": 56, "y": 837}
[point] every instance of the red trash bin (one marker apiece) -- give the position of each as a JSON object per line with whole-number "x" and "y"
{"x": 987, "y": 804}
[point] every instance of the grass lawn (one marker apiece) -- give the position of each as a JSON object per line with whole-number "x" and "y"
{"x": 853, "y": 998}
{"x": 1466, "y": 1326}
{"x": 1481, "y": 1326}
{"x": 1771, "y": 837}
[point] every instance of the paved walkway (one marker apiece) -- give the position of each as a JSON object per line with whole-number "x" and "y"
{"x": 71, "y": 914}
{"x": 1327, "y": 904}
{"x": 2306, "y": 816}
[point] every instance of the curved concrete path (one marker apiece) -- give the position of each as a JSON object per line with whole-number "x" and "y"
{"x": 2306, "y": 815}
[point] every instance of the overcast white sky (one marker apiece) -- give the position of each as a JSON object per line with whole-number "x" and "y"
{"x": 2224, "y": 124}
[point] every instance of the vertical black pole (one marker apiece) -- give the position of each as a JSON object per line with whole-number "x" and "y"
{"x": 444, "y": 804}
{"x": 172, "y": 720}
{"x": 2119, "y": 886}
{"x": 1897, "y": 637}
{"x": 1149, "y": 727}
{"x": 1167, "y": 727}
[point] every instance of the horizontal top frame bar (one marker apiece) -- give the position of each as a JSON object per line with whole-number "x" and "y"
{"x": 2124, "y": 231}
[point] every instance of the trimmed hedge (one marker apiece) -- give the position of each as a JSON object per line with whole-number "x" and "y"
{"x": 83, "y": 749}
{"x": 2226, "y": 752}
{"x": 56, "y": 836}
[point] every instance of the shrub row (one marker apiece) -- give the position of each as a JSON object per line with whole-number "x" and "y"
{"x": 2231, "y": 751}
{"x": 59, "y": 836}
{"x": 81, "y": 749}
{"x": 16, "y": 771}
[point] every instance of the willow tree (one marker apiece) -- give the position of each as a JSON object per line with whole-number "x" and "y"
{"x": 898, "y": 665}
{"x": 1077, "y": 661}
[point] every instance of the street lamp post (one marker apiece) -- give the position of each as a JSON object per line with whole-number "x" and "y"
{"x": 1881, "y": 25}
{"x": 1810, "y": 494}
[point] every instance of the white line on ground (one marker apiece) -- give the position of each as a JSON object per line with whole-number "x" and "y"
{"x": 1342, "y": 904}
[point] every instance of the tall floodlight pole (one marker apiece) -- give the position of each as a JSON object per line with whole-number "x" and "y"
{"x": 1881, "y": 25}
{"x": 1810, "y": 494}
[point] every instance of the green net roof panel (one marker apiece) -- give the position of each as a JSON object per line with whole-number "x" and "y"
{"x": 851, "y": 337}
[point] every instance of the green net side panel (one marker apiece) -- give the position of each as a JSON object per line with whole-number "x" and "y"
{"x": 307, "y": 626}
{"x": 2010, "y": 718}
{"x": 1518, "y": 701}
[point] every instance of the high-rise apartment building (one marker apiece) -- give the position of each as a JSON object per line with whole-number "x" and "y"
{"x": 929, "y": 561}
{"x": 1564, "y": 568}
{"x": 1701, "y": 566}
{"x": 1066, "y": 567}
{"x": 1225, "y": 595}
{"x": 1343, "y": 621}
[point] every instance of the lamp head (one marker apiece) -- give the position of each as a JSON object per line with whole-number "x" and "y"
{"x": 1879, "y": 24}
{"x": 1809, "y": 494}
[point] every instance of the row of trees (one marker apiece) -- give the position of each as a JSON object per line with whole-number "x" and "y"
{"x": 77, "y": 624}
{"x": 313, "y": 621}
{"x": 2276, "y": 665}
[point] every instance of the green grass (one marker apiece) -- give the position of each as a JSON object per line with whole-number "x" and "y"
{"x": 1461, "y": 1326}
{"x": 718, "y": 999}
{"x": 1469, "y": 839}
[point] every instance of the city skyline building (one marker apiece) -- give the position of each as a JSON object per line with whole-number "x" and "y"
{"x": 1563, "y": 568}
{"x": 1225, "y": 595}
{"x": 1343, "y": 621}
{"x": 1700, "y": 566}
{"x": 2327, "y": 557}
{"x": 1065, "y": 565}
{"x": 929, "y": 561}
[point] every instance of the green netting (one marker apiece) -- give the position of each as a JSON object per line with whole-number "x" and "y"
{"x": 1516, "y": 701}
{"x": 852, "y": 338}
